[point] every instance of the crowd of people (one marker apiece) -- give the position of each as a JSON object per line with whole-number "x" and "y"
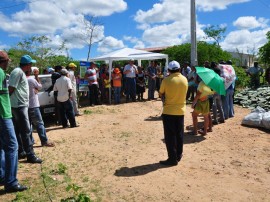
{"x": 19, "y": 106}
{"x": 20, "y": 112}
{"x": 129, "y": 81}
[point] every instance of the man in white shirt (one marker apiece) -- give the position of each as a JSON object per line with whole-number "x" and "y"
{"x": 33, "y": 109}
{"x": 71, "y": 68}
{"x": 63, "y": 87}
{"x": 130, "y": 70}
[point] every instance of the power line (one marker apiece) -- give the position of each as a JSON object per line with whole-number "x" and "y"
{"x": 19, "y": 4}
{"x": 266, "y": 5}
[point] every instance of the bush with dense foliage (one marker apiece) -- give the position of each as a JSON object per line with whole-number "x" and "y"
{"x": 205, "y": 52}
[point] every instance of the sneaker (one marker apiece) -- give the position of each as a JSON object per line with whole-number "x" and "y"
{"x": 34, "y": 159}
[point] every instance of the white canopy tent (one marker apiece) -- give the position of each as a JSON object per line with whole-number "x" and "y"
{"x": 127, "y": 54}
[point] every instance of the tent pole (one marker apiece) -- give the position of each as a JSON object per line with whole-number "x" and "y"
{"x": 110, "y": 78}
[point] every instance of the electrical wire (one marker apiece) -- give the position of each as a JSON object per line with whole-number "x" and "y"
{"x": 19, "y": 4}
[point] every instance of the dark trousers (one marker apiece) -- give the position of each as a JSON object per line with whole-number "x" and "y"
{"x": 93, "y": 90}
{"x": 131, "y": 88}
{"x": 57, "y": 111}
{"x": 23, "y": 130}
{"x": 67, "y": 113}
{"x": 173, "y": 133}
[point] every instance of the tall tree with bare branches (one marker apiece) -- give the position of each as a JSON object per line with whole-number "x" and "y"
{"x": 92, "y": 32}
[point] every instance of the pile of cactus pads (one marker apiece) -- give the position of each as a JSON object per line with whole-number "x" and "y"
{"x": 251, "y": 98}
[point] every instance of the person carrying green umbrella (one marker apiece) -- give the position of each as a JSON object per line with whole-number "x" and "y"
{"x": 210, "y": 80}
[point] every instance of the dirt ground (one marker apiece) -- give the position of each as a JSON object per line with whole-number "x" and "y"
{"x": 114, "y": 156}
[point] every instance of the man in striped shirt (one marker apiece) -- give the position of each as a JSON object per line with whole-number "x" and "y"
{"x": 91, "y": 77}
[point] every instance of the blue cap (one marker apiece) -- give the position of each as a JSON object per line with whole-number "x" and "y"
{"x": 26, "y": 59}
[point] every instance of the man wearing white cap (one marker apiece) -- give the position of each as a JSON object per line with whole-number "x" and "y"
{"x": 174, "y": 89}
{"x": 63, "y": 87}
{"x": 33, "y": 109}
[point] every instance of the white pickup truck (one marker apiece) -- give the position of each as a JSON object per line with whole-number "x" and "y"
{"x": 46, "y": 100}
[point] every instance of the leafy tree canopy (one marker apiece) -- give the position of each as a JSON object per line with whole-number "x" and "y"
{"x": 264, "y": 51}
{"x": 205, "y": 52}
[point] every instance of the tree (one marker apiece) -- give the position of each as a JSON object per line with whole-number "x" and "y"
{"x": 209, "y": 52}
{"x": 215, "y": 33}
{"x": 38, "y": 48}
{"x": 264, "y": 51}
{"x": 91, "y": 34}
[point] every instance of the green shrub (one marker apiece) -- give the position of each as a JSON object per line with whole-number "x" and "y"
{"x": 242, "y": 77}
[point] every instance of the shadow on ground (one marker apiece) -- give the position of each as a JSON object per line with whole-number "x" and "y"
{"x": 138, "y": 170}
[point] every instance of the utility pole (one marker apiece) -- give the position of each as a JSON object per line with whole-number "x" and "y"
{"x": 193, "y": 52}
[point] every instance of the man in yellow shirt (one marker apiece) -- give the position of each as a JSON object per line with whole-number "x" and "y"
{"x": 174, "y": 89}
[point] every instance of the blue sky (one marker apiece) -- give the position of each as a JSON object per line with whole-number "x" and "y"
{"x": 133, "y": 23}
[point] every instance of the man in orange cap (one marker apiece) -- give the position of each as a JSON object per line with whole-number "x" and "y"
{"x": 117, "y": 77}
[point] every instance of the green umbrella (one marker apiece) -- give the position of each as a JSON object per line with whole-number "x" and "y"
{"x": 211, "y": 79}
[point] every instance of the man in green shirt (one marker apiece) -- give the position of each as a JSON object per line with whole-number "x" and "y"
{"x": 8, "y": 140}
{"x": 19, "y": 97}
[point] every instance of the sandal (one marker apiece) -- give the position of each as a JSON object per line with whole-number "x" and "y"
{"x": 201, "y": 132}
{"x": 208, "y": 130}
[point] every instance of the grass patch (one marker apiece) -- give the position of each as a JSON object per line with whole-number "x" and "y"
{"x": 125, "y": 134}
{"x": 87, "y": 112}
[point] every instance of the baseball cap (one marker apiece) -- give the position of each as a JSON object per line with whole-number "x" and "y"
{"x": 72, "y": 65}
{"x": 26, "y": 59}
{"x": 50, "y": 70}
{"x": 64, "y": 71}
{"x": 34, "y": 68}
{"x": 173, "y": 65}
{"x": 131, "y": 59}
{"x": 3, "y": 56}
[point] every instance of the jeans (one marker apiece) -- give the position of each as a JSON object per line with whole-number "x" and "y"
{"x": 217, "y": 105}
{"x": 67, "y": 113}
{"x": 8, "y": 153}
{"x": 131, "y": 88}
{"x": 36, "y": 120}
{"x": 117, "y": 95}
{"x": 23, "y": 130}
{"x": 151, "y": 88}
{"x": 173, "y": 132}
{"x": 229, "y": 98}
{"x": 227, "y": 103}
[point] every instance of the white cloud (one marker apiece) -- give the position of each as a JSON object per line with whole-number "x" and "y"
{"x": 109, "y": 43}
{"x": 250, "y": 22}
{"x": 235, "y": 40}
{"x": 134, "y": 40}
{"x": 61, "y": 19}
{"x": 210, "y": 5}
{"x": 168, "y": 22}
